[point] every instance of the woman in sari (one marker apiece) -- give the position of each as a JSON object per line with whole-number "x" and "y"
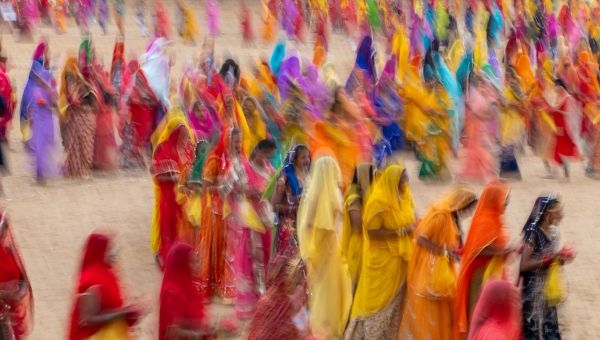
{"x": 496, "y": 315}
{"x": 216, "y": 275}
{"x": 431, "y": 282}
{"x": 172, "y": 156}
{"x": 286, "y": 198}
{"x": 204, "y": 121}
{"x": 540, "y": 234}
{"x": 16, "y": 297}
{"x": 248, "y": 222}
{"x": 182, "y": 307}
{"x": 79, "y": 102}
{"x": 99, "y": 307}
{"x": 483, "y": 254}
{"x": 319, "y": 219}
{"x": 281, "y": 312}
{"x": 352, "y": 236}
{"x": 388, "y": 218}
{"x": 37, "y": 109}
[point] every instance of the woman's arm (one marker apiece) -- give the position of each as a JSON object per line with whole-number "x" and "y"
{"x": 528, "y": 263}
{"x": 356, "y": 219}
{"x": 278, "y": 199}
{"x": 90, "y": 313}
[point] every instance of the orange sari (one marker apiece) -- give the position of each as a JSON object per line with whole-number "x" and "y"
{"x": 429, "y": 309}
{"x": 487, "y": 230}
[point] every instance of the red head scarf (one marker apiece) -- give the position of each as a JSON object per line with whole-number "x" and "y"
{"x": 181, "y": 302}
{"x": 118, "y": 57}
{"x": 487, "y": 229}
{"x": 95, "y": 272}
{"x": 498, "y": 313}
{"x": 39, "y": 52}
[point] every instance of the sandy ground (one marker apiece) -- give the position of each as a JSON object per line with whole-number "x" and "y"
{"x": 52, "y": 222}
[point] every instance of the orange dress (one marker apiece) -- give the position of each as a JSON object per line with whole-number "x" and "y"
{"x": 216, "y": 276}
{"x": 487, "y": 230}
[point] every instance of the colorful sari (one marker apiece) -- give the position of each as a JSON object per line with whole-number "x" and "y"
{"x": 95, "y": 274}
{"x": 377, "y": 306}
{"x": 248, "y": 225}
{"x": 37, "y": 105}
{"x": 486, "y": 232}
{"x": 8, "y": 102}
{"x": 181, "y": 303}
{"x": 429, "y": 309}
{"x": 13, "y": 274}
{"x": 143, "y": 111}
{"x": 78, "y": 103}
{"x": 496, "y": 315}
{"x": 319, "y": 220}
{"x": 171, "y": 157}
{"x": 217, "y": 274}
{"x": 352, "y": 239}
{"x": 105, "y": 144}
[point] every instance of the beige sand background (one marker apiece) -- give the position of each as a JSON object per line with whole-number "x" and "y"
{"x": 52, "y": 222}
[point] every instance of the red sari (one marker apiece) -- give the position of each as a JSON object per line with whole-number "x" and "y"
{"x": 498, "y": 313}
{"x": 564, "y": 147}
{"x": 95, "y": 272}
{"x": 181, "y": 303}
{"x": 6, "y": 92}
{"x": 487, "y": 230}
{"x": 170, "y": 157}
{"x": 143, "y": 109}
{"x": 13, "y": 271}
{"x": 105, "y": 145}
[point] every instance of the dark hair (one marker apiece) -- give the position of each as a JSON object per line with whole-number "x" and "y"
{"x": 561, "y": 83}
{"x": 228, "y": 65}
{"x": 300, "y": 148}
{"x": 266, "y": 144}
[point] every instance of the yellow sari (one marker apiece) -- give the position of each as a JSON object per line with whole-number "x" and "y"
{"x": 318, "y": 235}
{"x": 378, "y": 300}
{"x": 431, "y": 283}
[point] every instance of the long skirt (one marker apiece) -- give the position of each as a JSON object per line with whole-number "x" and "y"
{"x": 105, "y": 146}
{"x": 381, "y": 326}
{"x": 80, "y": 129}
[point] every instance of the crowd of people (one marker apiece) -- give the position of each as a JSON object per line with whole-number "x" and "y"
{"x": 278, "y": 190}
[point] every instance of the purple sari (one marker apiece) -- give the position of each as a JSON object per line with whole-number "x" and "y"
{"x": 39, "y": 98}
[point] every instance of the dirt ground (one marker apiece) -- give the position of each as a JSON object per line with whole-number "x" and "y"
{"x": 52, "y": 222}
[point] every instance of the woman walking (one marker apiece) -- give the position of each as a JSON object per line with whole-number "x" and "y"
{"x": 431, "y": 283}
{"x": 319, "y": 222}
{"x": 99, "y": 307}
{"x": 37, "y": 109}
{"x": 387, "y": 228}
{"x": 540, "y": 234}
{"x": 79, "y": 103}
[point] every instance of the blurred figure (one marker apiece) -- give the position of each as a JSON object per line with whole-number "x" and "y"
{"x": 98, "y": 307}
{"x": 388, "y": 219}
{"x": 352, "y": 233}
{"x": 212, "y": 17}
{"x": 182, "y": 307}
{"x": 496, "y": 315}
{"x": 79, "y": 102}
{"x": 171, "y": 161}
{"x": 431, "y": 282}
{"x": 286, "y": 198}
{"x": 16, "y": 297}
{"x": 140, "y": 16}
{"x": 8, "y": 104}
{"x": 540, "y": 234}
{"x": 319, "y": 219}
{"x": 37, "y": 110}
{"x": 248, "y": 222}
{"x": 483, "y": 254}
{"x": 162, "y": 24}
{"x": 281, "y": 313}
{"x": 217, "y": 274}
{"x": 188, "y": 27}
{"x": 246, "y": 22}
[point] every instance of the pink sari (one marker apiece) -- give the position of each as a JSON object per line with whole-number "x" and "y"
{"x": 251, "y": 251}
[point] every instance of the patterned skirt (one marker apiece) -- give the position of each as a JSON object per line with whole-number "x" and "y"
{"x": 80, "y": 129}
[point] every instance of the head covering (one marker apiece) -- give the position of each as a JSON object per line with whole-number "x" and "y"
{"x": 290, "y": 171}
{"x": 321, "y": 206}
{"x": 38, "y": 54}
{"x": 487, "y": 229}
{"x": 365, "y": 57}
{"x": 540, "y": 209}
{"x": 95, "y": 272}
{"x": 277, "y": 57}
{"x": 156, "y": 69}
{"x": 386, "y": 198}
{"x": 85, "y": 57}
{"x": 179, "y": 297}
{"x": 497, "y": 314}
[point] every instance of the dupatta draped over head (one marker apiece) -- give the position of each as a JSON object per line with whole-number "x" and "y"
{"x": 95, "y": 272}
{"x": 181, "y": 302}
{"x": 487, "y": 229}
{"x": 497, "y": 314}
{"x": 40, "y": 79}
